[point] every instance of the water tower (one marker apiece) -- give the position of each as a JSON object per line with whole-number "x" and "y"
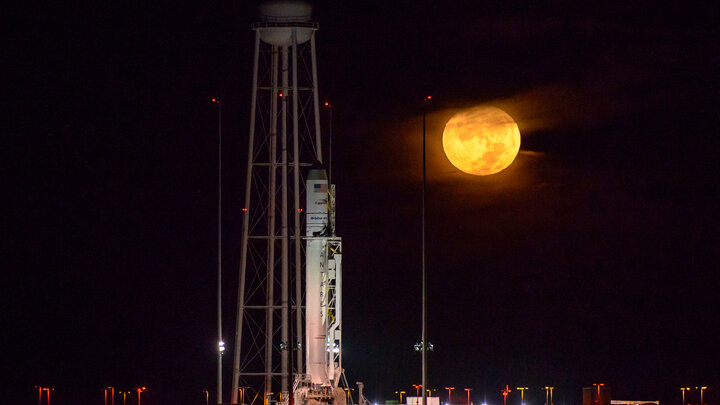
{"x": 284, "y": 142}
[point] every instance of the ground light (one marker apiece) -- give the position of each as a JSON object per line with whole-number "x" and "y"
{"x": 112, "y": 395}
{"x": 417, "y": 392}
{"x": 139, "y": 392}
{"x": 47, "y": 390}
{"x": 522, "y": 394}
{"x": 449, "y": 390}
{"x": 124, "y": 394}
{"x": 506, "y": 393}
{"x": 550, "y": 390}
{"x": 683, "y": 389}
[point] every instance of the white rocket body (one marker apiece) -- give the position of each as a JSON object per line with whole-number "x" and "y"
{"x": 322, "y": 286}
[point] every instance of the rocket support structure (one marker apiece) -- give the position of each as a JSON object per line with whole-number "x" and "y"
{"x": 323, "y": 295}
{"x": 271, "y": 352}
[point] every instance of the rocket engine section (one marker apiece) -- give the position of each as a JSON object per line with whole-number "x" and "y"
{"x": 323, "y": 292}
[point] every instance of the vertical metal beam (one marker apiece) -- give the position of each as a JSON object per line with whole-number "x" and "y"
{"x": 270, "y": 264}
{"x": 296, "y": 185}
{"x": 284, "y": 215}
{"x": 316, "y": 101}
{"x": 245, "y": 228}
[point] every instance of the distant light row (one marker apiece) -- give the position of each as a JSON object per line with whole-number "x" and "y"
{"x": 107, "y": 390}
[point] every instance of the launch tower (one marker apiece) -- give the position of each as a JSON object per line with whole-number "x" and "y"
{"x": 289, "y": 321}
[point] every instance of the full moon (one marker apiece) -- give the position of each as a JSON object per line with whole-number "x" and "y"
{"x": 481, "y": 140}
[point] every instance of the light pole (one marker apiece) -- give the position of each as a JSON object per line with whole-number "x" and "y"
{"x": 417, "y": 392}
{"x": 48, "y": 393}
{"x": 688, "y": 389}
{"x": 112, "y": 395}
{"x": 424, "y": 276}
{"x": 505, "y": 394}
{"x": 139, "y": 391}
{"x": 40, "y": 389}
{"x": 468, "y": 392}
{"x": 522, "y": 394}
{"x": 207, "y": 397}
{"x": 401, "y": 395}
{"x": 221, "y": 344}
{"x": 124, "y": 393}
{"x": 701, "y": 394}
{"x": 449, "y": 390}
{"x": 550, "y": 390}
{"x": 241, "y": 391}
{"x": 598, "y": 387}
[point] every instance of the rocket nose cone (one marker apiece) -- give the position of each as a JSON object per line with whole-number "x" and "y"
{"x": 317, "y": 171}
{"x": 317, "y": 174}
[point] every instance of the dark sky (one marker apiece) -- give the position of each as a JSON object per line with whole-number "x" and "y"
{"x": 593, "y": 257}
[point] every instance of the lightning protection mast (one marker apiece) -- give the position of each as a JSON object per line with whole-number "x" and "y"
{"x": 284, "y": 142}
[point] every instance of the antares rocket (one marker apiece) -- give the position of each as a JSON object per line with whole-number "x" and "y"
{"x": 323, "y": 292}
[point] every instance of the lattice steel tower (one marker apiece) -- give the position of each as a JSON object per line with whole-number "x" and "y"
{"x": 284, "y": 141}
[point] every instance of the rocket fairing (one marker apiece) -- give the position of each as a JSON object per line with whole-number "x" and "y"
{"x": 317, "y": 219}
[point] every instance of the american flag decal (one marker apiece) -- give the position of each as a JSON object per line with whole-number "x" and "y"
{"x": 320, "y": 188}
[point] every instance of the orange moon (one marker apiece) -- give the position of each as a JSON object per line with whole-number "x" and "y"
{"x": 481, "y": 140}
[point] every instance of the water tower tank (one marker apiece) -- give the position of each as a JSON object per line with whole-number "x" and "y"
{"x": 279, "y": 18}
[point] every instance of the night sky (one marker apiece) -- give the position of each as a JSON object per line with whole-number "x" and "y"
{"x": 593, "y": 258}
